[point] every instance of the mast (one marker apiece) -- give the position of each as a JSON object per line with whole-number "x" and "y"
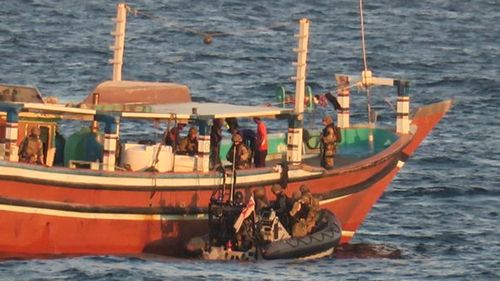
{"x": 119, "y": 34}
{"x": 295, "y": 127}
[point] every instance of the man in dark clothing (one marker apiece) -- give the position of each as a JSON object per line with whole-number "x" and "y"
{"x": 60, "y": 143}
{"x": 260, "y": 200}
{"x": 328, "y": 143}
{"x": 281, "y": 206}
{"x": 215, "y": 140}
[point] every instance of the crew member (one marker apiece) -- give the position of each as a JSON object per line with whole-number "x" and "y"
{"x": 312, "y": 214}
{"x": 281, "y": 206}
{"x": 260, "y": 200}
{"x": 232, "y": 123}
{"x": 215, "y": 140}
{"x": 173, "y": 138}
{"x": 238, "y": 199}
{"x": 189, "y": 144}
{"x": 31, "y": 150}
{"x": 298, "y": 214}
{"x": 261, "y": 143}
{"x": 328, "y": 143}
{"x": 239, "y": 154}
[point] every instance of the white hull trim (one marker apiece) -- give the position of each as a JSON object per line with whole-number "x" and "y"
{"x": 99, "y": 216}
{"x": 123, "y": 181}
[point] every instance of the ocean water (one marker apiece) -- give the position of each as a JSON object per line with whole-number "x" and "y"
{"x": 442, "y": 210}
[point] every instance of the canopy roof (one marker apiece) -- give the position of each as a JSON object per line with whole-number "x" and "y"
{"x": 139, "y": 92}
{"x": 196, "y": 110}
{"x": 19, "y": 93}
{"x": 189, "y": 110}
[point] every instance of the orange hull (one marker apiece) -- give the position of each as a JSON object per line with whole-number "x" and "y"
{"x": 40, "y": 217}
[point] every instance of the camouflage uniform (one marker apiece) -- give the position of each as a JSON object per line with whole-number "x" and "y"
{"x": 328, "y": 141}
{"x": 31, "y": 150}
{"x": 260, "y": 200}
{"x": 242, "y": 156}
{"x": 312, "y": 214}
{"x": 299, "y": 212}
{"x": 189, "y": 144}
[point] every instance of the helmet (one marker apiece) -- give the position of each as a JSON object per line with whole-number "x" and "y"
{"x": 304, "y": 189}
{"x": 238, "y": 196}
{"x": 328, "y": 119}
{"x": 305, "y": 199}
{"x": 237, "y": 138}
{"x": 35, "y": 131}
{"x": 296, "y": 195}
{"x": 276, "y": 188}
{"x": 259, "y": 193}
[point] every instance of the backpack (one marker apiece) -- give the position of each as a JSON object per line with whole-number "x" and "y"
{"x": 338, "y": 134}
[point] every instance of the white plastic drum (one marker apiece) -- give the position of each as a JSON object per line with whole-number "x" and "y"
{"x": 140, "y": 157}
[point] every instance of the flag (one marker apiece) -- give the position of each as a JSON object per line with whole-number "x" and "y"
{"x": 333, "y": 100}
{"x": 245, "y": 213}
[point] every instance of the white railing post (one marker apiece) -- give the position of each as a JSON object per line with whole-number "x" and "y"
{"x": 295, "y": 128}
{"x": 403, "y": 107}
{"x": 119, "y": 34}
{"x": 343, "y": 91}
{"x": 11, "y": 148}
{"x": 109, "y": 157}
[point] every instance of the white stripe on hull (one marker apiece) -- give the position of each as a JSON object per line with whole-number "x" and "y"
{"x": 123, "y": 181}
{"x": 323, "y": 254}
{"x": 323, "y": 202}
{"x": 348, "y": 233}
{"x": 98, "y": 216}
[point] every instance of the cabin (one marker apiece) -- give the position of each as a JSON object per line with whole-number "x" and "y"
{"x": 99, "y": 146}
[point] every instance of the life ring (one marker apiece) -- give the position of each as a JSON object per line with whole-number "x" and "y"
{"x": 306, "y": 138}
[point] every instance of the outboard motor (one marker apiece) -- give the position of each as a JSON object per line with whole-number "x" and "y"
{"x": 270, "y": 227}
{"x": 221, "y": 219}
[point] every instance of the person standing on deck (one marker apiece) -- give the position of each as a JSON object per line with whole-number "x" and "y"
{"x": 173, "y": 136}
{"x": 328, "y": 143}
{"x": 31, "y": 150}
{"x": 189, "y": 144}
{"x": 215, "y": 140}
{"x": 239, "y": 154}
{"x": 260, "y": 153}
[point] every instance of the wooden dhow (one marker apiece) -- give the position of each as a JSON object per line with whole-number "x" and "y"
{"x": 92, "y": 205}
